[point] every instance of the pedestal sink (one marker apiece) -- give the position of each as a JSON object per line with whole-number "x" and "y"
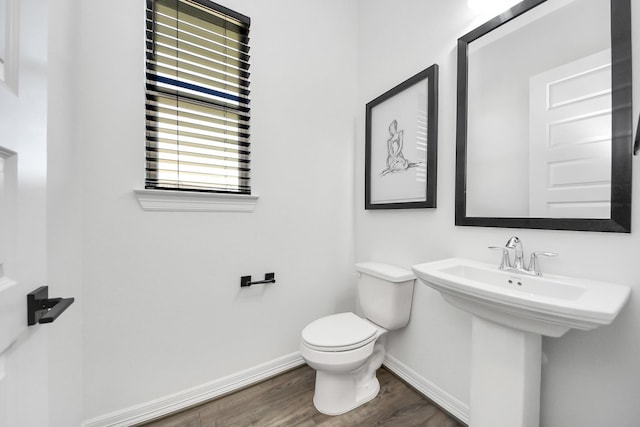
{"x": 511, "y": 312}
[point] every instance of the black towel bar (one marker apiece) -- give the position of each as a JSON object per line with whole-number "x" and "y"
{"x": 42, "y": 309}
{"x": 268, "y": 278}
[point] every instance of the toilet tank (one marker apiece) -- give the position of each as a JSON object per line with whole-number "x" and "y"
{"x": 385, "y": 293}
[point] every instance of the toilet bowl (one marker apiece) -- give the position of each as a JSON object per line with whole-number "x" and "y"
{"x": 346, "y": 350}
{"x": 341, "y": 349}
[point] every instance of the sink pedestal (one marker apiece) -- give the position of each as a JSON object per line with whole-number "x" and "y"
{"x": 505, "y": 376}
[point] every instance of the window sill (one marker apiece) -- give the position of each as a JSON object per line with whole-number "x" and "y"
{"x": 186, "y": 201}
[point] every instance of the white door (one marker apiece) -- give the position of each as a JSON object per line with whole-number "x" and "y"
{"x": 570, "y": 140}
{"x": 24, "y": 359}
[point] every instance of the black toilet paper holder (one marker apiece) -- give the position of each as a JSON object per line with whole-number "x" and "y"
{"x": 268, "y": 278}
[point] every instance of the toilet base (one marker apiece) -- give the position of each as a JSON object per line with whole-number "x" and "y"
{"x": 340, "y": 392}
{"x": 337, "y": 394}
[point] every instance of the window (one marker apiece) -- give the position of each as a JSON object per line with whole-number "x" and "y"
{"x": 197, "y": 97}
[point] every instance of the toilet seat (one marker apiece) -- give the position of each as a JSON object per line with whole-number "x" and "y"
{"x": 338, "y": 332}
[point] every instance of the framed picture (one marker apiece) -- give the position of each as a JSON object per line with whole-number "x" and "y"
{"x": 401, "y": 146}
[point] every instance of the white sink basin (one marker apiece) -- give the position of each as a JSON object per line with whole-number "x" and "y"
{"x": 549, "y": 305}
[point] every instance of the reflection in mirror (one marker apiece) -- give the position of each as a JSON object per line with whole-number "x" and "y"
{"x": 535, "y": 129}
{"x": 545, "y": 75}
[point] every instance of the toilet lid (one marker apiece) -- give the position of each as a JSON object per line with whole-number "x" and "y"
{"x": 338, "y": 332}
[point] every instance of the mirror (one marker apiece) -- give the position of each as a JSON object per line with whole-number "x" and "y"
{"x": 544, "y": 120}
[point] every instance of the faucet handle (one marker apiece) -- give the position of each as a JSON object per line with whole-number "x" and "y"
{"x": 533, "y": 263}
{"x": 506, "y": 261}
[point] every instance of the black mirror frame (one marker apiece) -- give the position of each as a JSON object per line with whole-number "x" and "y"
{"x": 621, "y": 138}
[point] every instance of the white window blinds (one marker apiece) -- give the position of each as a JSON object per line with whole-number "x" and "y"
{"x": 197, "y": 97}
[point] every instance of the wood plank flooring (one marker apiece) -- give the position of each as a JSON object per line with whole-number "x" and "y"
{"x": 286, "y": 400}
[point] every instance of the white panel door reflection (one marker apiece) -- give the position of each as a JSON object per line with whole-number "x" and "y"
{"x": 570, "y": 140}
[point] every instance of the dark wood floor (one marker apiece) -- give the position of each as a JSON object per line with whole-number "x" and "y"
{"x": 286, "y": 401}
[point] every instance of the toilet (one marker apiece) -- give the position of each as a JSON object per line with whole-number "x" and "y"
{"x": 346, "y": 350}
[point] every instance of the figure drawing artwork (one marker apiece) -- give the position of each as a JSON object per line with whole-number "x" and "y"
{"x": 396, "y": 161}
{"x": 400, "y": 138}
{"x": 400, "y": 150}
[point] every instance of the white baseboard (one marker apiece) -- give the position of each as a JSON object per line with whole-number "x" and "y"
{"x": 193, "y": 396}
{"x": 202, "y": 393}
{"x": 443, "y": 399}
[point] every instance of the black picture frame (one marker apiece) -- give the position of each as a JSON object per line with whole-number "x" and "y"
{"x": 397, "y": 179}
{"x": 622, "y": 129}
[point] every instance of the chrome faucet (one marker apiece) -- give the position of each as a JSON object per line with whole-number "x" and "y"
{"x": 515, "y": 243}
{"x": 518, "y": 266}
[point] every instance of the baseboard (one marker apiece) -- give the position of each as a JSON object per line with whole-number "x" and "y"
{"x": 202, "y": 393}
{"x": 440, "y": 397}
{"x": 196, "y": 395}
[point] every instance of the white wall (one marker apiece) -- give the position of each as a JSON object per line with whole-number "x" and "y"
{"x": 64, "y": 218}
{"x": 591, "y": 378}
{"x": 162, "y": 306}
